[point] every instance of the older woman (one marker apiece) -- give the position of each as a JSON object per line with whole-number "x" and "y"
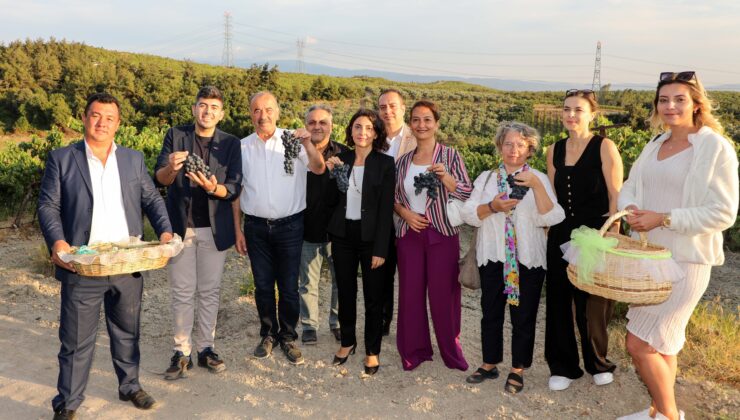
{"x": 586, "y": 173}
{"x": 428, "y": 245}
{"x": 683, "y": 191}
{"x": 359, "y": 228}
{"x": 510, "y": 249}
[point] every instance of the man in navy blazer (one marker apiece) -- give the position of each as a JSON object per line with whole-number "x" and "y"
{"x": 202, "y": 210}
{"x": 95, "y": 191}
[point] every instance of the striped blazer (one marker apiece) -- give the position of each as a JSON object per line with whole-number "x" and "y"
{"x": 436, "y": 210}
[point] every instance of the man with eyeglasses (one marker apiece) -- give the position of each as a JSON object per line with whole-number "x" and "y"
{"x": 392, "y": 109}
{"x": 200, "y": 206}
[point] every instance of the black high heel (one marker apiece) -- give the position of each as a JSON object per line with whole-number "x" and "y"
{"x": 372, "y": 370}
{"x": 342, "y": 360}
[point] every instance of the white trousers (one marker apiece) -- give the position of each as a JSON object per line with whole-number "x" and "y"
{"x": 196, "y": 272}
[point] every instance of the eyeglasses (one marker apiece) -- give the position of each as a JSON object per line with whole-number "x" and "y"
{"x": 580, "y": 92}
{"x": 684, "y": 76}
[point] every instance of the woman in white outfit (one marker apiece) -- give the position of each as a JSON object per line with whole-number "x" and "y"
{"x": 683, "y": 191}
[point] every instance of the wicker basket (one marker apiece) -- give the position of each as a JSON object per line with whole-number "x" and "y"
{"x": 611, "y": 284}
{"x": 131, "y": 263}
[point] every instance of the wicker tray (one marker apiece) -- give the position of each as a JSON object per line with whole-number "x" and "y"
{"x": 124, "y": 259}
{"x": 612, "y": 284}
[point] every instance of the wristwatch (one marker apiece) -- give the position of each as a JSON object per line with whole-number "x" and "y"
{"x": 214, "y": 190}
{"x": 666, "y": 223}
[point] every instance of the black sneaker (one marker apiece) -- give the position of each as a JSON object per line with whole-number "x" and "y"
{"x": 179, "y": 366}
{"x": 292, "y": 352}
{"x": 264, "y": 348}
{"x": 308, "y": 337}
{"x": 337, "y": 333}
{"x": 210, "y": 360}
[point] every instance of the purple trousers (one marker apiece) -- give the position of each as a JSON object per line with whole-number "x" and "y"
{"x": 428, "y": 265}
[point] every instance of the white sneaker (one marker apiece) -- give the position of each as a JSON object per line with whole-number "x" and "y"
{"x": 559, "y": 383}
{"x": 660, "y": 416}
{"x": 640, "y": 415}
{"x": 603, "y": 378}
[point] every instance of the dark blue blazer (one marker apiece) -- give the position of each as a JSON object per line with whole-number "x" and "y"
{"x": 225, "y": 161}
{"x": 66, "y": 200}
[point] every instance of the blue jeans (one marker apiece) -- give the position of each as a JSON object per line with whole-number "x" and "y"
{"x": 312, "y": 257}
{"x": 275, "y": 253}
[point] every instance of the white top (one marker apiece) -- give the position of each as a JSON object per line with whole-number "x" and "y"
{"x": 529, "y": 224}
{"x": 108, "y": 217}
{"x": 354, "y": 193}
{"x": 394, "y": 143}
{"x": 268, "y": 191}
{"x": 709, "y": 197}
{"x": 418, "y": 203}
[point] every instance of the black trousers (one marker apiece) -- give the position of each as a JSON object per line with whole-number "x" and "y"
{"x": 523, "y": 317}
{"x": 592, "y": 315}
{"x": 389, "y": 279}
{"x": 274, "y": 250}
{"x": 78, "y": 326}
{"x": 349, "y": 252}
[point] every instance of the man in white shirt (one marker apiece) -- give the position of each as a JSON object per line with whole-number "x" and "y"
{"x": 400, "y": 141}
{"x": 273, "y": 202}
{"x": 95, "y": 191}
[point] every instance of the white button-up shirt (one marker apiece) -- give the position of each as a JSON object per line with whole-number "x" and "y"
{"x": 108, "y": 217}
{"x": 267, "y": 191}
{"x": 394, "y": 143}
{"x": 529, "y": 224}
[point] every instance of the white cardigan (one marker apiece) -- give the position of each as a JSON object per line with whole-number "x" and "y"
{"x": 531, "y": 243}
{"x": 710, "y": 196}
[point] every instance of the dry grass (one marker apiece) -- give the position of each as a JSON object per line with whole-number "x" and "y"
{"x": 41, "y": 262}
{"x": 712, "y": 349}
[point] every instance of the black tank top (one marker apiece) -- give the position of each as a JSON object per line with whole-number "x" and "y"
{"x": 581, "y": 188}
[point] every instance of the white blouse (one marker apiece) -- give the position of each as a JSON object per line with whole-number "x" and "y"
{"x": 529, "y": 224}
{"x": 354, "y": 194}
{"x": 418, "y": 203}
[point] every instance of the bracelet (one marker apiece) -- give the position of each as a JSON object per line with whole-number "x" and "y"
{"x": 214, "y": 190}
{"x": 490, "y": 207}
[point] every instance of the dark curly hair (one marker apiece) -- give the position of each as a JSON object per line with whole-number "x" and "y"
{"x": 379, "y": 144}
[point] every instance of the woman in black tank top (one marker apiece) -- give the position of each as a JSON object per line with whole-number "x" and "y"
{"x": 586, "y": 173}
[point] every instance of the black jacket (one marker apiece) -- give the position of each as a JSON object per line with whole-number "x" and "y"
{"x": 377, "y": 201}
{"x": 225, "y": 161}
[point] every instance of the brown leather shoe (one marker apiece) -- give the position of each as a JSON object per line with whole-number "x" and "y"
{"x": 140, "y": 399}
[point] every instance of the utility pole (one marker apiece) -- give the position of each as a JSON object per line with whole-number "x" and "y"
{"x": 596, "y": 84}
{"x": 300, "y": 64}
{"x": 227, "y": 57}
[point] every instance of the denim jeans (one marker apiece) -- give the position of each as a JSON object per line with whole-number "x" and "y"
{"x": 275, "y": 254}
{"x": 312, "y": 257}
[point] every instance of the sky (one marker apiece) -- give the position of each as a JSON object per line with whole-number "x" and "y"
{"x": 539, "y": 40}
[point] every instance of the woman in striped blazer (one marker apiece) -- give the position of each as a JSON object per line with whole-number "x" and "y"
{"x": 428, "y": 245}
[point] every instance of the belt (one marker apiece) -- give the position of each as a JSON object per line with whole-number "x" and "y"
{"x": 275, "y": 222}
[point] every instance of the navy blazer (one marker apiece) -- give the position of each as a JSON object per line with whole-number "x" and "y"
{"x": 66, "y": 199}
{"x": 225, "y": 161}
{"x": 376, "y": 209}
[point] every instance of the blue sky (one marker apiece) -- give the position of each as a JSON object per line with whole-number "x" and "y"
{"x": 529, "y": 40}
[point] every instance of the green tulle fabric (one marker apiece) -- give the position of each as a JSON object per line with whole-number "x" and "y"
{"x": 591, "y": 248}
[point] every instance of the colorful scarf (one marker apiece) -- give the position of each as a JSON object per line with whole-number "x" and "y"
{"x": 511, "y": 266}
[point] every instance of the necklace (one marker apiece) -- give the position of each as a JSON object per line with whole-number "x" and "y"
{"x": 354, "y": 182}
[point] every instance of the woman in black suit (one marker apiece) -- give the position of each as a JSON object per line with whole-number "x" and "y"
{"x": 359, "y": 229}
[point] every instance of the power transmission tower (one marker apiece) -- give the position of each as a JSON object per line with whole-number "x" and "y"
{"x": 301, "y": 44}
{"x": 227, "y": 57}
{"x": 596, "y": 84}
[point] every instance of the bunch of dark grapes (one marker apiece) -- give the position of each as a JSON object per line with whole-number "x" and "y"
{"x": 195, "y": 164}
{"x": 292, "y": 148}
{"x": 517, "y": 191}
{"x": 429, "y": 181}
{"x": 341, "y": 174}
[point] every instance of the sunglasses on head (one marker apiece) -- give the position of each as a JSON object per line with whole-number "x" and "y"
{"x": 684, "y": 76}
{"x": 580, "y": 92}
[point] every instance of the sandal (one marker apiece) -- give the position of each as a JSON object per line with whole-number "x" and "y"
{"x": 514, "y": 383}
{"x": 481, "y": 375}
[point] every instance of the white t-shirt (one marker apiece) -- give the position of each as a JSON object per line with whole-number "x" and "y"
{"x": 354, "y": 193}
{"x": 418, "y": 203}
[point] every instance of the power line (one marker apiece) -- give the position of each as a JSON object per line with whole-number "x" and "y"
{"x": 673, "y": 65}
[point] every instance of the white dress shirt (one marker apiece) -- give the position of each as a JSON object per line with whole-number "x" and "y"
{"x": 417, "y": 203}
{"x": 267, "y": 191}
{"x": 354, "y": 194}
{"x": 394, "y": 143}
{"x": 529, "y": 224}
{"x": 108, "y": 217}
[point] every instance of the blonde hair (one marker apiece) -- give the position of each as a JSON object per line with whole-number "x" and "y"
{"x": 529, "y": 134}
{"x": 703, "y": 115}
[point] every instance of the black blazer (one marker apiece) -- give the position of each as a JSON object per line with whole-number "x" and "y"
{"x": 225, "y": 161}
{"x": 66, "y": 200}
{"x": 377, "y": 201}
